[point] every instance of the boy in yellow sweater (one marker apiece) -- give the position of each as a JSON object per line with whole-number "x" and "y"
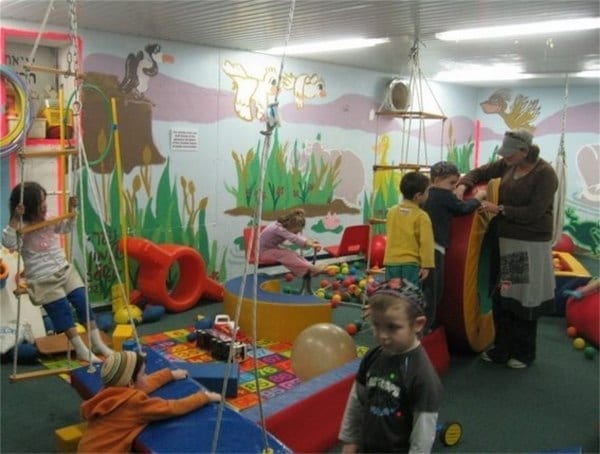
{"x": 409, "y": 251}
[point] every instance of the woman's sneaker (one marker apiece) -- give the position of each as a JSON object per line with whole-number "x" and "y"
{"x": 516, "y": 364}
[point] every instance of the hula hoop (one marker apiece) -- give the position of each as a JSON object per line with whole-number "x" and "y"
{"x": 108, "y": 146}
{"x": 14, "y": 138}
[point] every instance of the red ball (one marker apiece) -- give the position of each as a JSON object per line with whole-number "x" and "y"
{"x": 564, "y": 244}
{"x": 378, "y": 243}
{"x": 289, "y": 277}
{"x": 571, "y": 331}
{"x": 351, "y": 329}
{"x": 324, "y": 283}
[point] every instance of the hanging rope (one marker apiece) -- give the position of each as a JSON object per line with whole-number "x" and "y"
{"x": 560, "y": 167}
{"x": 272, "y": 121}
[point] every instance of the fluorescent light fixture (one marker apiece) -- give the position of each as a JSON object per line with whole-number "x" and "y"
{"x": 535, "y": 28}
{"x": 477, "y": 73}
{"x": 326, "y": 46}
{"x": 592, "y": 74}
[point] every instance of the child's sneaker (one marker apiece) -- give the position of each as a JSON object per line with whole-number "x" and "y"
{"x": 516, "y": 364}
{"x": 491, "y": 356}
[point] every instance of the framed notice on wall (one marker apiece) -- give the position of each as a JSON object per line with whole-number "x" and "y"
{"x": 184, "y": 139}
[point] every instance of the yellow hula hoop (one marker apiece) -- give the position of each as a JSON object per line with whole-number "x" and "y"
{"x": 24, "y": 120}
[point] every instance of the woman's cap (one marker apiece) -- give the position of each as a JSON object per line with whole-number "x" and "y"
{"x": 519, "y": 139}
{"x": 118, "y": 368}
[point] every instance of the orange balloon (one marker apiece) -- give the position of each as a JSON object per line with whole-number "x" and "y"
{"x": 321, "y": 348}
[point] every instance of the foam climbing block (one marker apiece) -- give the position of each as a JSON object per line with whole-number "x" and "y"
{"x": 121, "y": 334}
{"x": 584, "y": 315}
{"x": 436, "y": 346}
{"x": 67, "y": 438}
{"x": 212, "y": 375}
{"x": 307, "y": 418}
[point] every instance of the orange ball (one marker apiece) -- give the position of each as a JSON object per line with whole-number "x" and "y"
{"x": 571, "y": 331}
{"x": 324, "y": 283}
{"x": 351, "y": 329}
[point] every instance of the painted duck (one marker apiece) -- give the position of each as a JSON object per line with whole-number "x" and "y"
{"x": 521, "y": 114}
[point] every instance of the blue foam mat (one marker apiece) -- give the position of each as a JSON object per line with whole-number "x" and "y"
{"x": 193, "y": 432}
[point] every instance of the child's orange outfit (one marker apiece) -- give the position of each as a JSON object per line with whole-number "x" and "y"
{"x": 117, "y": 414}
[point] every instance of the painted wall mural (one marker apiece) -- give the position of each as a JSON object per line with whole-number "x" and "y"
{"x": 522, "y": 113}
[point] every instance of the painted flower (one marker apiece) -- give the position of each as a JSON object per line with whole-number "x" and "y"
{"x": 331, "y": 221}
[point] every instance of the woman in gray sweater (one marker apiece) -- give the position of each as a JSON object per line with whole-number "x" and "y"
{"x": 523, "y": 226}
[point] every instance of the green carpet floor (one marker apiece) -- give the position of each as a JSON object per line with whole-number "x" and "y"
{"x": 550, "y": 406}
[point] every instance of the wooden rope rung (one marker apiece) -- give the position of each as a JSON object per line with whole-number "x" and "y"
{"x": 47, "y": 222}
{"x": 49, "y": 69}
{"x": 400, "y": 167}
{"x": 48, "y": 153}
{"x": 38, "y": 374}
{"x": 412, "y": 114}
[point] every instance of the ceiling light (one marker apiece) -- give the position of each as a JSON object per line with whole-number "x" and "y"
{"x": 535, "y": 28}
{"x": 326, "y": 46}
{"x": 477, "y": 73}
{"x": 592, "y": 74}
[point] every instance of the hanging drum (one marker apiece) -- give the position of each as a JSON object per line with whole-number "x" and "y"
{"x": 397, "y": 96}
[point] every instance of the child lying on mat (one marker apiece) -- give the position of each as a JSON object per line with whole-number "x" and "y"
{"x": 123, "y": 408}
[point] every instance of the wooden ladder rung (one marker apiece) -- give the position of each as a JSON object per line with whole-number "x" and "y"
{"x": 375, "y": 221}
{"x": 48, "y": 153}
{"x": 38, "y": 374}
{"x": 49, "y": 69}
{"x": 41, "y": 225}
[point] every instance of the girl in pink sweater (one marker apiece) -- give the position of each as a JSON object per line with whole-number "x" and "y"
{"x": 288, "y": 228}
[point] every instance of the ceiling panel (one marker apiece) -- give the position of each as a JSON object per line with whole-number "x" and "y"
{"x": 259, "y": 24}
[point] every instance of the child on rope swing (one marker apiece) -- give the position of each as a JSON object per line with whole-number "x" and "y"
{"x": 288, "y": 228}
{"x": 51, "y": 280}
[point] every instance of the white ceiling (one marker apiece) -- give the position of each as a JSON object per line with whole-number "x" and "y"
{"x": 260, "y": 24}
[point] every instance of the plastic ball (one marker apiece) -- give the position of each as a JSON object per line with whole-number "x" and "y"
{"x": 571, "y": 331}
{"x": 325, "y": 283}
{"x": 579, "y": 343}
{"x": 351, "y": 329}
{"x": 104, "y": 322}
{"x": 153, "y": 313}
{"x": 80, "y": 328}
{"x": 122, "y": 317}
{"x": 336, "y": 299}
{"x": 378, "y": 243}
{"x": 589, "y": 352}
{"x": 205, "y": 322}
{"x": 564, "y": 244}
{"x": 321, "y": 348}
{"x": 358, "y": 323}
{"x": 289, "y": 277}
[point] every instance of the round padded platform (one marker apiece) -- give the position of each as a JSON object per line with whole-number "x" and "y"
{"x": 279, "y": 316}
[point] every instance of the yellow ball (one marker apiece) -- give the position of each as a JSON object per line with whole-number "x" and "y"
{"x": 80, "y": 328}
{"x": 579, "y": 343}
{"x": 121, "y": 317}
